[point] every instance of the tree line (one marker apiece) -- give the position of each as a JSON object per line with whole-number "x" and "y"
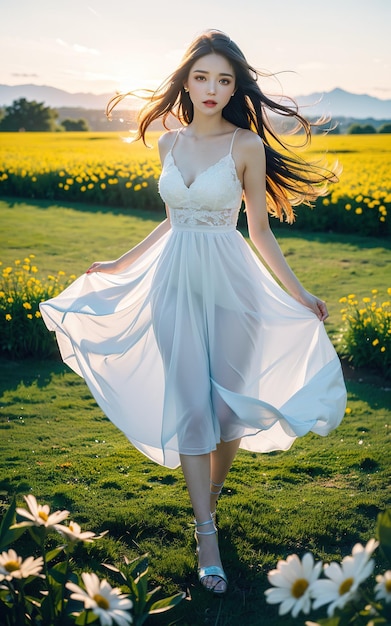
{"x": 24, "y": 115}
{"x": 368, "y": 129}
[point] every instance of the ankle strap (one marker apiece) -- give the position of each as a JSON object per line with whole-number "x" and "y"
{"x": 216, "y": 493}
{"x": 199, "y": 524}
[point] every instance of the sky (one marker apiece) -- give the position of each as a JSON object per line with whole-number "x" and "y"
{"x": 101, "y": 46}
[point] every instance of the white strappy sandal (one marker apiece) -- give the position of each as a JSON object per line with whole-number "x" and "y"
{"x": 212, "y": 571}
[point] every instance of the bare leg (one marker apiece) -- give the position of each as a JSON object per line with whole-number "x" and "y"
{"x": 196, "y": 470}
{"x": 220, "y": 464}
{"x": 230, "y": 358}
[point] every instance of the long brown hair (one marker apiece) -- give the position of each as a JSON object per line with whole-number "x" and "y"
{"x": 290, "y": 180}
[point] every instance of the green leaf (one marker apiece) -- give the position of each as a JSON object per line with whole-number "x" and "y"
{"x": 83, "y": 619}
{"x": 152, "y": 593}
{"x": 116, "y": 573}
{"x": 384, "y": 533}
{"x": 8, "y": 535}
{"x": 38, "y": 533}
{"x": 142, "y": 583}
{"x": 47, "y": 610}
{"x": 139, "y": 566}
{"x": 133, "y": 589}
{"x": 58, "y": 573}
{"x": 167, "y": 603}
{"x": 34, "y": 601}
{"x": 6, "y": 598}
{"x": 53, "y": 553}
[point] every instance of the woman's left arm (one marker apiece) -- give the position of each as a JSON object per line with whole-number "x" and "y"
{"x": 254, "y": 184}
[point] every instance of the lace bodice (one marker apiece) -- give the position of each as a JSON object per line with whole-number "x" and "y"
{"x": 212, "y": 200}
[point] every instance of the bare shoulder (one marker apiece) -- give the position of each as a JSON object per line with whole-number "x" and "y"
{"x": 165, "y": 143}
{"x": 248, "y": 151}
{"x": 249, "y": 142}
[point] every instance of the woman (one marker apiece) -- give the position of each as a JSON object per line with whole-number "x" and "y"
{"x": 186, "y": 341}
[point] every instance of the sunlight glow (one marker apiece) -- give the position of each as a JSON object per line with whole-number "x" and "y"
{"x": 93, "y": 47}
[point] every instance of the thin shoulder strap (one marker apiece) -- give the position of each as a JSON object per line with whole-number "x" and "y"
{"x": 232, "y": 140}
{"x": 176, "y": 137}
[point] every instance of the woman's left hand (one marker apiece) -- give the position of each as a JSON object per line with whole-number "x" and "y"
{"x": 316, "y": 305}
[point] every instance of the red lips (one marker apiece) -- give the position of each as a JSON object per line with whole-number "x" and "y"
{"x": 210, "y": 103}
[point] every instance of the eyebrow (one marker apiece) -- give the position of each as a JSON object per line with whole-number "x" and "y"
{"x": 205, "y": 72}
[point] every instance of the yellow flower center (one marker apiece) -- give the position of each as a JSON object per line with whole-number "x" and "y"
{"x": 345, "y": 586}
{"x": 299, "y": 587}
{"x": 11, "y": 566}
{"x": 43, "y": 516}
{"x": 101, "y": 602}
{"x": 387, "y": 585}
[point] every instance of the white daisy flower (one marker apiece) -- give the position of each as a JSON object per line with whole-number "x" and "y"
{"x": 383, "y": 587}
{"x": 107, "y": 603}
{"x": 39, "y": 515}
{"x": 73, "y": 533}
{"x": 344, "y": 579}
{"x": 293, "y": 580}
{"x": 13, "y": 566}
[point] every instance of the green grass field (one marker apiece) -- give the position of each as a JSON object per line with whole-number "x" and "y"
{"x": 331, "y": 265}
{"x": 323, "y": 495}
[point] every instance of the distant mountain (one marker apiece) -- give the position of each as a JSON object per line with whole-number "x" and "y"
{"x": 337, "y": 103}
{"x": 340, "y": 103}
{"x": 53, "y": 97}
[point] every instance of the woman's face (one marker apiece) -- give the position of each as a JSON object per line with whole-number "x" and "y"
{"x": 211, "y": 83}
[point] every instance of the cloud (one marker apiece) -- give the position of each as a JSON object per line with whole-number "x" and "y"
{"x": 93, "y": 11}
{"x": 77, "y": 47}
{"x": 84, "y": 50}
{"x": 23, "y": 75}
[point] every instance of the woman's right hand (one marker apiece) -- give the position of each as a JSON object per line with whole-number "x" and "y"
{"x": 109, "y": 267}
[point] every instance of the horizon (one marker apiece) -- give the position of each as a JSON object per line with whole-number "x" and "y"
{"x": 90, "y": 47}
{"x": 103, "y": 93}
{"x": 338, "y": 103}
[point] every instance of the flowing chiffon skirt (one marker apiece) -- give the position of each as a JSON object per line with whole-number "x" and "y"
{"x": 196, "y": 343}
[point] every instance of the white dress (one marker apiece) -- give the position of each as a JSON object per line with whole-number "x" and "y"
{"x": 195, "y": 342}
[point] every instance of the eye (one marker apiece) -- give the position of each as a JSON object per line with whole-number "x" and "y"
{"x": 200, "y": 77}
{"x": 225, "y": 81}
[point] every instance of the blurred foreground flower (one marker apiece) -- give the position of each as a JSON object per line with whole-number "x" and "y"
{"x": 13, "y": 566}
{"x": 74, "y": 533}
{"x": 293, "y": 580}
{"x": 345, "y": 587}
{"x": 383, "y": 587}
{"x": 36, "y": 590}
{"x": 105, "y": 602}
{"x": 344, "y": 579}
{"x": 39, "y": 515}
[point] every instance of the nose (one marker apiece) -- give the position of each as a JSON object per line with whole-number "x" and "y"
{"x": 211, "y": 89}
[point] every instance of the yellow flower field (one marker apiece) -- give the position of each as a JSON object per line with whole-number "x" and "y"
{"x": 366, "y": 334}
{"x": 108, "y": 169}
{"x": 100, "y": 168}
{"x": 365, "y": 182}
{"x": 22, "y": 332}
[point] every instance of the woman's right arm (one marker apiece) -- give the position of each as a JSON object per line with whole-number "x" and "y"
{"x": 120, "y": 264}
{"x": 117, "y": 266}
